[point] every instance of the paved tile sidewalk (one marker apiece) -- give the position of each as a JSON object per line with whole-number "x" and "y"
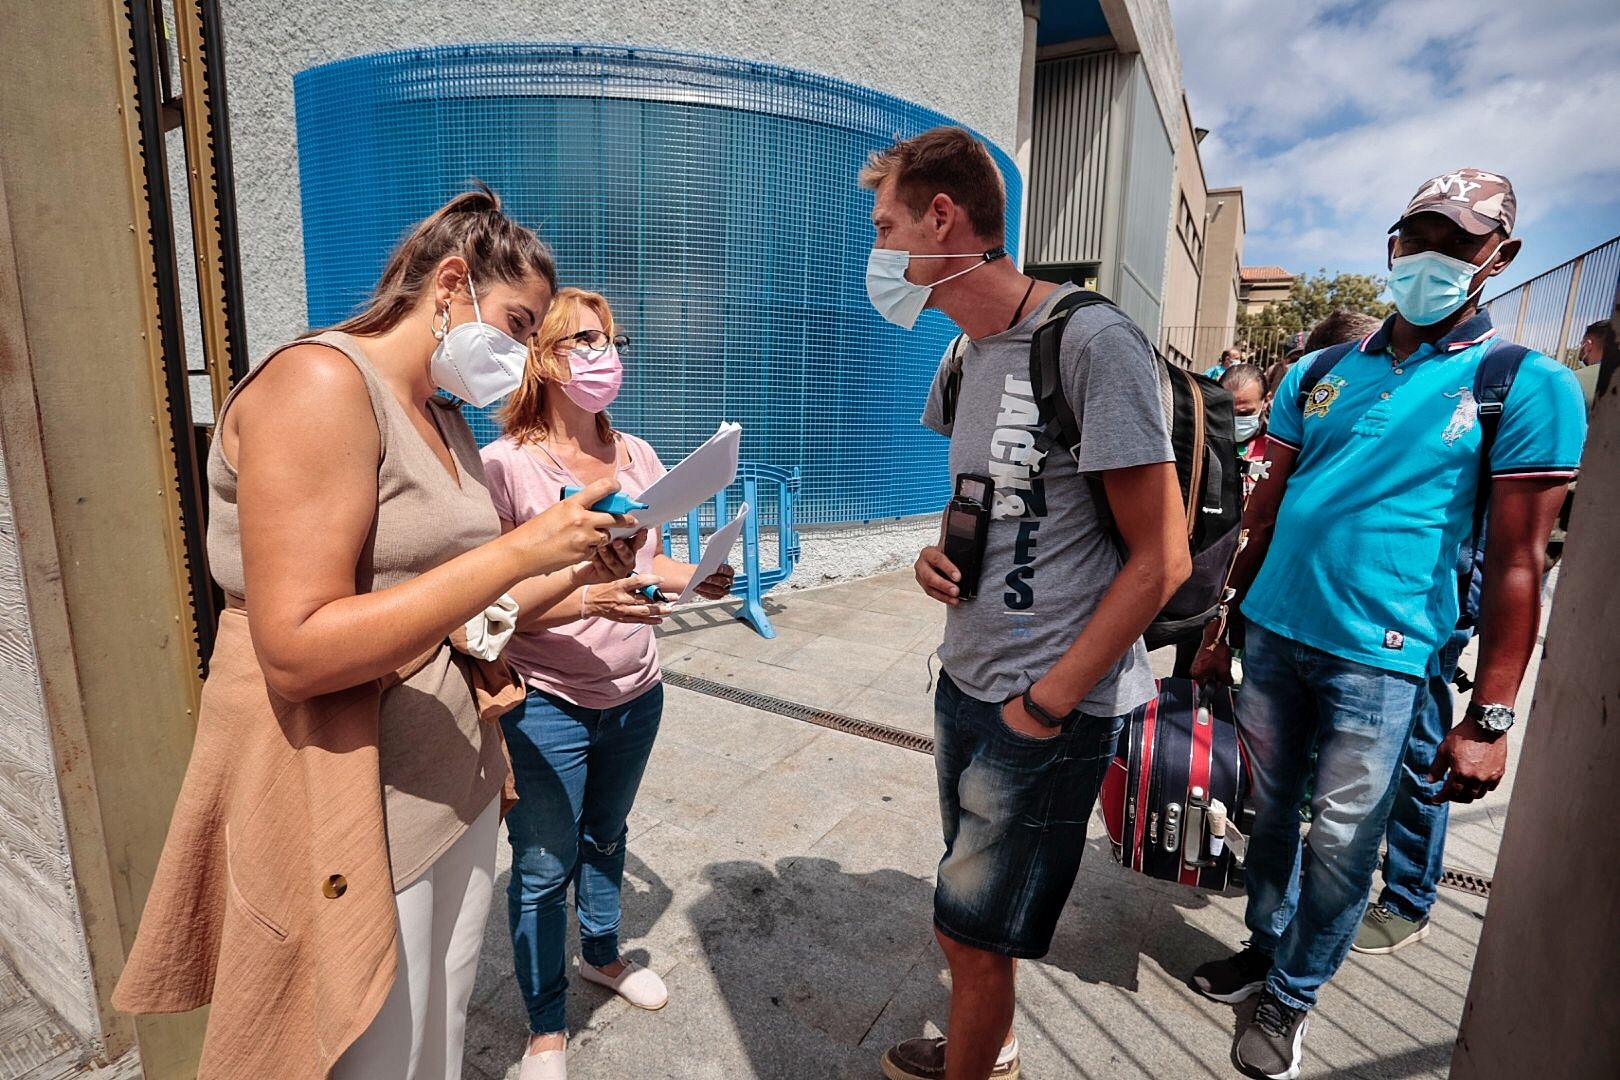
{"x": 780, "y": 877}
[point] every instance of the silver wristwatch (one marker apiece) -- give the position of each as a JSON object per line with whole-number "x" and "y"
{"x": 1493, "y": 719}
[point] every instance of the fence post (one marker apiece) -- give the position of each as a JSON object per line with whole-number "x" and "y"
{"x": 1569, "y": 308}
{"x": 753, "y": 609}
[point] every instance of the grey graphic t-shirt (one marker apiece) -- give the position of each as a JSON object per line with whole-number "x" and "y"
{"x": 1049, "y": 558}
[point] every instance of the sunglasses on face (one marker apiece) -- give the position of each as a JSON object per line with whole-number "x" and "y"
{"x": 593, "y": 342}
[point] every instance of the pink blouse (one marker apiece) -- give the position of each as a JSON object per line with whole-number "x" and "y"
{"x": 595, "y": 663}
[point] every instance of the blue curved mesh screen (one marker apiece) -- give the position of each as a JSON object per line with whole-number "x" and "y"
{"x": 713, "y": 201}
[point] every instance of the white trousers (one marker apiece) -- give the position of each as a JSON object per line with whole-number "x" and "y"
{"x": 420, "y": 1031}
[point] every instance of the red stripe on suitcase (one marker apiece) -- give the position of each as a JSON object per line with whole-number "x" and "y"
{"x": 1150, "y": 722}
{"x": 1203, "y": 752}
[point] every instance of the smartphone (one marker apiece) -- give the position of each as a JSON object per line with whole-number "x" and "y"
{"x": 967, "y": 524}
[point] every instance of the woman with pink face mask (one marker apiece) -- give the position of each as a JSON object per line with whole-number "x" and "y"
{"x": 580, "y": 742}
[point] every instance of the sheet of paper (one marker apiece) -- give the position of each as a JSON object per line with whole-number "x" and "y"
{"x": 721, "y": 541}
{"x": 706, "y": 470}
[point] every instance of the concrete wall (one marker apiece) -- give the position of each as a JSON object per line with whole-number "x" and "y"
{"x": 1256, "y": 296}
{"x": 1542, "y": 1001}
{"x": 1145, "y": 26}
{"x": 961, "y": 57}
{"x": 1218, "y": 292}
{"x": 1183, "y": 270}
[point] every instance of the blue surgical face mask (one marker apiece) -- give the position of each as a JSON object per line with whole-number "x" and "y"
{"x": 902, "y": 301}
{"x": 1429, "y": 286}
{"x": 1245, "y": 428}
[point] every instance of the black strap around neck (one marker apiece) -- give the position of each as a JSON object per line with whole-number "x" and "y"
{"x": 1018, "y": 313}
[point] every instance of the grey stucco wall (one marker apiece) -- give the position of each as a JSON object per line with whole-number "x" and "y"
{"x": 960, "y": 57}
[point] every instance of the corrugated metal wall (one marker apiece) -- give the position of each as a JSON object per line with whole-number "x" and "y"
{"x": 1069, "y": 159}
{"x": 1150, "y": 169}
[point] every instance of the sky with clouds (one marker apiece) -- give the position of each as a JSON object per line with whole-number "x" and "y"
{"x": 1330, "y": 114}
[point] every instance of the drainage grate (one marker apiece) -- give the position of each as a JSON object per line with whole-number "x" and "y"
{"x": 849, "y": 725}
{"x": 1463, "y": 881}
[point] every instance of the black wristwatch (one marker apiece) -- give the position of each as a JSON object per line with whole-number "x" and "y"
{"x": 1034, "y": 709}
{"x": 1491, "y": 719}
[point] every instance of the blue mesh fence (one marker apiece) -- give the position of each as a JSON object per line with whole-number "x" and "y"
{"x": 713, "y": 201}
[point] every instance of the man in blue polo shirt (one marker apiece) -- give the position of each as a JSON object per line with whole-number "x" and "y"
{"x": 1349, "y": 584}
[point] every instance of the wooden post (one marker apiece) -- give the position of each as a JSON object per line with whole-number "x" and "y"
{"x": 1542, "y": 1000}
{"x": 85, "y": 407}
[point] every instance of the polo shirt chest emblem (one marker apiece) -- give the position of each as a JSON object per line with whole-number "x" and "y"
{"x": 1323, "y": 395}
{"x": 1463, "y": 417}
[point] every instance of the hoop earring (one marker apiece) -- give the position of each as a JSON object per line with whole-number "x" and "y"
{"x": 442, "y": 326}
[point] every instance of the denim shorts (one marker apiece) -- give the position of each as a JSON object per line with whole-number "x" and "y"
{"x": 1014, "y": 810}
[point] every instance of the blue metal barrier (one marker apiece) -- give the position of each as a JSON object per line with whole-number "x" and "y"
{"x": 755, "y": 580}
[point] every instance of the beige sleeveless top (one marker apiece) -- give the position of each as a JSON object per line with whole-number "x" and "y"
{"x": 440, "y": 767}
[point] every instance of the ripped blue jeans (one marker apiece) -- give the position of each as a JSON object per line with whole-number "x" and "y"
{"x": 577, "y": 772}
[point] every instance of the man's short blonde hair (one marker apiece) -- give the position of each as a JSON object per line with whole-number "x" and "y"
{"x": 949, "y": 161}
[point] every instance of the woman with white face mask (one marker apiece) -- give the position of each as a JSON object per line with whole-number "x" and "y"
{"x": 330, "y": 865}
{"x": 580, "y": 742}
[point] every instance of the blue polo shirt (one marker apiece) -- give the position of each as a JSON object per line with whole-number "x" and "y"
{"x": 1363, "y": 562}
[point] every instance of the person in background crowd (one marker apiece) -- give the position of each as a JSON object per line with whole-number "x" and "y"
{"x": 580, "y": 742}
{"x": 1228, "y": 358}
{"x": 1610, "y": 356}
{"x": 1294, "y": 346}
{"x": 1250, "y": 399}
{"x": 1590, "y": 357}
{"x": 1340, "y": 326}
{"x": 1247, "y": 385}
{"x": 1041, "y": 667}
{"x": 328, "y": 874}
{"x": 1415, "y": 838}
{"x": 1348, "y": 588}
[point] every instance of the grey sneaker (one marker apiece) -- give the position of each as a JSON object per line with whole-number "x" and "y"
{"x": 1382, "y": 931}
{"x": 1269, "y": 1046}
{"x": 924, "y": 1059}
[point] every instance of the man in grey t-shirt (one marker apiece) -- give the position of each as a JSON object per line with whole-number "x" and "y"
{"x": 1049, "y": 555}
{"x": 1042, "y": 666}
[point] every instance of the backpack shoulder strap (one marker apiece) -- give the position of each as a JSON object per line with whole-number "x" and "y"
{"x": 1492, "y": 381}
{"x": 952, "y": 389}
{"x": 1059, "y": 426}
{"x": 1320, "y": 367}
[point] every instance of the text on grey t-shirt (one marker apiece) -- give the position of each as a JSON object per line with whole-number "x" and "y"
{"x": 1049, "y": 556}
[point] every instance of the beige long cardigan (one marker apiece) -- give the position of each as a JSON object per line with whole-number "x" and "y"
{"x": 273, "y": 898}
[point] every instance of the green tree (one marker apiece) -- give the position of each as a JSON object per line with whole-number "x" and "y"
{"x": 1313, "y": 299}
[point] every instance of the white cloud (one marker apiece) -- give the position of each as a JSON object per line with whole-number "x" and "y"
{"x": 1331, "y": 114}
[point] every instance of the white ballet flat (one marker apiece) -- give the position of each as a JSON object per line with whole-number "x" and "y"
{"x": 636, "y": 984}
{"x": 546, "y": 1065}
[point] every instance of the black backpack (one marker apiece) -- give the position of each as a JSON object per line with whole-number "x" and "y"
{"x": 1199, "y": 415}
{"x": 1492, "y": 381}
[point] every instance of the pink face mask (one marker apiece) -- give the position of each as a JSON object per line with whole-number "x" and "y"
{"x": 597, "y": 377}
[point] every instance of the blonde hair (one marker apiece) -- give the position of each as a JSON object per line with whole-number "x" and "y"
{"x": 523, "y": 417}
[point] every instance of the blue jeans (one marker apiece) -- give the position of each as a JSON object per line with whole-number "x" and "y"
{"x": 1416, "y": 837}
{"x": 577, "y": 771}
{"x": 1014, "y": 810}
{"x": 1358, "y": 718}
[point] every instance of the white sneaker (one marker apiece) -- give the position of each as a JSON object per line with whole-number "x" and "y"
{"x": 636, "y": 984}
{"x": 546, "y": 1065}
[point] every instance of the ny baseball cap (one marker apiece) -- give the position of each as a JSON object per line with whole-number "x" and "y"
{"x": 1479, "y": 201}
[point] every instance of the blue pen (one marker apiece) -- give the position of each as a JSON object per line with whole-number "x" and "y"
{"x": 616, "y": 503}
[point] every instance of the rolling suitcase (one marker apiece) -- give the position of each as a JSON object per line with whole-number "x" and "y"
{"x": 1179, "y": 759}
